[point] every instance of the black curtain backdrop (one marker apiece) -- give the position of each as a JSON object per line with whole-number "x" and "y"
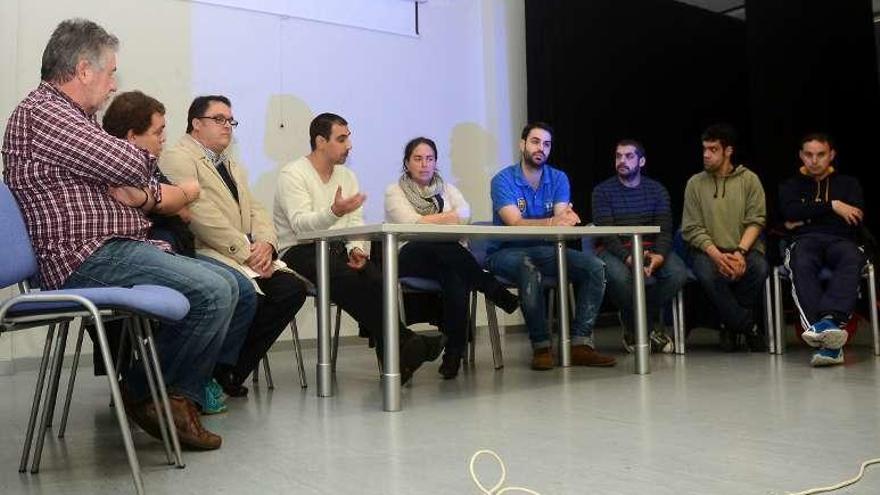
{"x": 660, "y": 71}
{"x": 653, "y": 70}
{"x": 813, "y": 66}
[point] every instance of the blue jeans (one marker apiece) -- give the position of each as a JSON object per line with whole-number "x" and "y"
{"x": 187, "y": 349}
{"x": 527, "y": 265}
{"x": 243, "y": 314}
{"x": 660, "y": 287}
{"x": 734, "y": 300}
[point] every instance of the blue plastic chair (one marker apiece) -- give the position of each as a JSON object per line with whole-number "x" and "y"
{"x": 57, "y": 309}
{"x": 431, "y": 286}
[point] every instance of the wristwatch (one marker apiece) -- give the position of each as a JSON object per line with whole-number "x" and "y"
{"x": 741, "y": 251}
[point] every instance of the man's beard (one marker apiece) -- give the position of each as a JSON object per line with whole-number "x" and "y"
{"x": 528, "y": 159}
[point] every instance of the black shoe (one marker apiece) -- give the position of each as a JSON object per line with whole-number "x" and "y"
{"x": 417, "y": 350}
{"x": 504, "y": 299}
{"x": 450, "y": 365}
{"x": 230, "y": 382}
{"x": 755, "y": 340}
{"x": 434, "y": 345}
{"x": 412, "y": 355}
{"x": 729, "y": 340}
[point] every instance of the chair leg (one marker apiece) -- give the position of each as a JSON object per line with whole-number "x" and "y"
{"x": 401, "y": 307}
{"x": 297, "y": 350}
{"x": 163, "y": 392}
{"x": 270, "y": 384}
{"x": 121, "y": 357}
{"x": 138, "y": 338}
{"x": 777, "y": 312}
{"x": 38, "y": 395}
{"x": 49, "y": 401}
{"x": 70, "y": 381}
{"x": 494, "y": 335}
{"x": 768, "y": 316}
{"x": 335, "y": 351}
{"x": 676, "y": 323}
{"x": 57, "y": 380}
{"x": 872, "y": 304}
{"x": 124, "y": 427}
{"x": 470, "y": 356}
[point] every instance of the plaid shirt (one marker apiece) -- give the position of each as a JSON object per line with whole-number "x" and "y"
{"x": 59, "y": 164}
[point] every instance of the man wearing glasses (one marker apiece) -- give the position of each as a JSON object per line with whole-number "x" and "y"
{"x": 233, "y": 231}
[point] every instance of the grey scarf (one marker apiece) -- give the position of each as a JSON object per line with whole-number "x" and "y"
{"x": 426, "y": 200}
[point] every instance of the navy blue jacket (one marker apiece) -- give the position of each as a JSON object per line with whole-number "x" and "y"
{"x": 804, "y": 199}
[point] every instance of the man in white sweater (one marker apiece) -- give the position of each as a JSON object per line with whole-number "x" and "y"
{"x": 316, "y": 192}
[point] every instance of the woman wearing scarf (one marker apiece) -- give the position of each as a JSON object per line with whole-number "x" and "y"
{"x": 421, "y": 196}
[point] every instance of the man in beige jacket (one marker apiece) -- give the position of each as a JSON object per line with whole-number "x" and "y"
{"x": 232, "y": 230}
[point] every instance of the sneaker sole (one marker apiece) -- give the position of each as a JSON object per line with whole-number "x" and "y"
{"x": 822, "y": 361}
{"x": 829, "y": 339}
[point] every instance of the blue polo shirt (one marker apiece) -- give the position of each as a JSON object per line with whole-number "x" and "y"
{"x": 510, "y": 187}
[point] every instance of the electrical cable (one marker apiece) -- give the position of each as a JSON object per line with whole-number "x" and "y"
{"x": 497, "y": 486}
{"x": 842, "y": 484}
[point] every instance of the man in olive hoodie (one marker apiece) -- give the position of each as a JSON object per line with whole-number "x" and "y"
{"x": 823, "y": 210}
{"x": 724, "y": 212}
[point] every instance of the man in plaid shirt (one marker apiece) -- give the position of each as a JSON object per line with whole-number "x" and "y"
{"x": 84, "y": 195}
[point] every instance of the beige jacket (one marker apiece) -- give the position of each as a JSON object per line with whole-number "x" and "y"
{"x": 219, "y": 223}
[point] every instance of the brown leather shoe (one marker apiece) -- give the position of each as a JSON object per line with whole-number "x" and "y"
{"x": 542, "y": 359}
{"x": 189, "y": 427}
{"x": 143, "y": 414}
{"x": 584, "y": 355}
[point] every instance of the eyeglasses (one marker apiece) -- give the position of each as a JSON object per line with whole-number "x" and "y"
{"x": 221, "y": 120}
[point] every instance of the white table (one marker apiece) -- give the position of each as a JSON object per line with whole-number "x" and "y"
{"x": 391, "y": 234}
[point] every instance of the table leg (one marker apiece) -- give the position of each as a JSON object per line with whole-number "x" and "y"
{"x": 643, "y": 350}
{"x": 324, "y": 367}
{"x": 391, "y": 366}
{"x": 562, "y": 293}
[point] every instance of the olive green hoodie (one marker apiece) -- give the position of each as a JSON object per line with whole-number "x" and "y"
{"x": 717, "y": 210}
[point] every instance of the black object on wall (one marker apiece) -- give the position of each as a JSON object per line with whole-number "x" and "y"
{"x": 653, "y": 70}
{"x": 813, "y": 66}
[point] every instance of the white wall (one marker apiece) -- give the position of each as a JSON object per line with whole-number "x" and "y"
{"x": 461, "y": 82}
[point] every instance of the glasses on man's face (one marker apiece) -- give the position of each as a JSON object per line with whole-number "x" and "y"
{"x": 221, "y": 120}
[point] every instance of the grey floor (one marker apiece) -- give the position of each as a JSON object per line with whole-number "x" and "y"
{"x": 707, "y": 423}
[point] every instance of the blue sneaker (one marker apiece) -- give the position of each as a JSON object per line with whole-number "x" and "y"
{"x": 214, "y": 403}
{"x": 825, "y": 333}
{"x": 827, "y": 357}
{"x": 215, "y": 389}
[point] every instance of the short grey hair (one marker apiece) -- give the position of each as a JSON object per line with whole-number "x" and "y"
{"x": 72, "y": 41}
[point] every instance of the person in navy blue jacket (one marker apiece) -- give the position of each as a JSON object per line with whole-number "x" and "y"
{"x": 823, "y": 210}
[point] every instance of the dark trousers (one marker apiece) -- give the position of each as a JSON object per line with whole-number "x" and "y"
{"x": 806, "y": 258}
{"x": 357, "y": 292}
{"x": 283, "y": 295}
{"x": 458, "y": 273}
{"x": 735, "y": 300}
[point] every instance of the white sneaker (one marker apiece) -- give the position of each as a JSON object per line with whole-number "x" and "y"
{"x": 827, "y": 357}
{"x": 660, "y": 342}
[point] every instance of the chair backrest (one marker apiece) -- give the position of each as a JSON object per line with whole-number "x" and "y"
{"x": 18, "y": 262}
{"x": 478, "y": 246}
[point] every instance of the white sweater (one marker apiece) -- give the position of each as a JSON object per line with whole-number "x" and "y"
{"x": 303, "y": 200}
{"x": 398, "y": 209}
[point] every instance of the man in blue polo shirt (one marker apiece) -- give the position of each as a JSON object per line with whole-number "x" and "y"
{"x": 532, "y": 193}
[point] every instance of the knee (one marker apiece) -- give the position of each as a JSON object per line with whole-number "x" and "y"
{"x": 216, "y": 295}
{"x": 529, "y": 279}
{"x": 586, "y": 266}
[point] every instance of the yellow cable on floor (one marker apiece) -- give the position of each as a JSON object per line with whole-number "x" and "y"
{"x": 843, "y": 484}
{"x": 492, "y": 491}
